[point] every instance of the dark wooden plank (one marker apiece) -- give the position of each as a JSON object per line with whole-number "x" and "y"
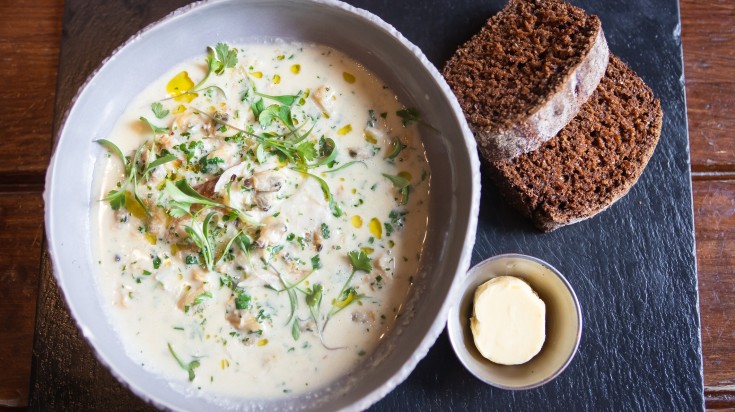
{"x": 708, "y": 36}
{"x": 21, "y": 232}
{"x": 29, "y": 48}
{"x": 714, "y": 206}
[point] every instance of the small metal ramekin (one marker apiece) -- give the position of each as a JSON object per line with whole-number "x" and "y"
{"x": 563, "y": 323}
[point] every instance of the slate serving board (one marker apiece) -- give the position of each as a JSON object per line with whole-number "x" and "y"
{"x": 633, "y": 266}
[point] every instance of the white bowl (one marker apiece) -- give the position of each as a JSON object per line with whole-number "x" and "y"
{"x": 454, "y": 199}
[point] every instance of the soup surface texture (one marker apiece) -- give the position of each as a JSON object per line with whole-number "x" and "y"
{"x": 263, "y": 216}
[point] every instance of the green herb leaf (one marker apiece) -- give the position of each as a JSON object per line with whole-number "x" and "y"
{"x": 158, "y": 110}
{"x": 346, "y": 298}
{"x": 344, "y": 166}
{"x": 295, "y": 330}
{"x": 286, "y": 99}
{"x": 257, "y": 106}
{"x": 327, "y": 152}
{"x": 333, "y": 206}
{"x": 307, "y": 151}
{"x": 316, "y": 262}
{"x": 265, "y": 118}
{"x": 398, "y": 146}
{"x": 189, "y": 367}
{"x": 112, "y": 147}
{"x": 314, "y": 299}
{"x": 401, "y": 184}
{"x": 325, "y": 231}
{"x": 360, "y": 261}
{"x": 154, "y": 164}
{"x": 226, "y": 58}
{"x": 184, "y": 196}
{"x": 116, "y": 199}
{"x": 155, "y": 129}
{"x": 156, "y": 262}
{"x": 408, "y": 115}
{"x": 202, "y": 297}
{"x": 242, "y": 301}
{"x": 371, "y": 118}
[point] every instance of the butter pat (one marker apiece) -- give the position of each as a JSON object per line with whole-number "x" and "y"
{"x": 508, "y": 321}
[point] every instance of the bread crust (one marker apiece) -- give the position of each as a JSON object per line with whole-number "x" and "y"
{"x": 526, "y": 74}
{"x": 554, "y": 112}
{"x": 627, "y": 118}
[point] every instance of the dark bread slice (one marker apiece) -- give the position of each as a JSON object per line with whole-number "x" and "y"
{"x": 525, "y": 75}
{"x": 593, "y": 161}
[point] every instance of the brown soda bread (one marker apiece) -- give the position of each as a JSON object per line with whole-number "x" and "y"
{"x": 525, "y": 75}
{"x": 593, "y": 161}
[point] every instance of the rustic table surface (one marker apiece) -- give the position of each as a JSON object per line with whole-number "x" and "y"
{"x": 30, "y": 33}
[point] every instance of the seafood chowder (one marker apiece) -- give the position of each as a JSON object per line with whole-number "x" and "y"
{"x": 263, "y": 214}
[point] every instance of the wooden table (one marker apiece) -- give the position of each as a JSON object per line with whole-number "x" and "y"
{"x": 30, "y": 33}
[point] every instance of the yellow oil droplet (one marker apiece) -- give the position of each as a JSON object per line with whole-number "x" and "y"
{"x": 179, "y": 109}
{"x": 151, "y": 238}
{"x": 376, "y": 228}
{"x": 257, "y": 75}
{"x": 405, "y": 175}
{"x": 296, "y": 68}
{"x": 133, "y": 206}
{"x": 344, "y": 130}
{"x": 356, "y": 221}
{"x": 179, "y": 84}
{"x": 224, "y": 363}
{"x": 280, "y": 57}
{"x": 370, "y": 139}
{"x": 262, "y": 342}
{"x": 354, "y": 191}
{"x": 349, "y": 77}
{"x": 276, "y": 79}
{"x": 367, "y": 250}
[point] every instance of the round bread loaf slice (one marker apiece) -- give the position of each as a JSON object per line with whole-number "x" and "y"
{"x": 525, "y": 75}
{"x": 593, "y": 161}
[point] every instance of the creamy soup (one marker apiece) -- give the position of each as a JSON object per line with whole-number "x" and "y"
{"x": 263, "y": 216}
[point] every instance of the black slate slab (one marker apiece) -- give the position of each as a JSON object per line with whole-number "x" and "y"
{"x": 633, "y": 266}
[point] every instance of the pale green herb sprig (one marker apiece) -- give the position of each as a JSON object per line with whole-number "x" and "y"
{"x": 188, "y": 367}
{"x": 220, "y": 57}
{"x": 116, "y": 198}
{"x": 401, "y": 184}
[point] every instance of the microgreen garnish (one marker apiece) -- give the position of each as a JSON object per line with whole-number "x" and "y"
{"x": 117, "y": 198}
{"x": 411, "y": 114}
{"x": 155, "y": 129}
{"x": 225, "y": 58}
{"x": 203, "y": 238}
{"x": 183, "y": 197}
{"x": 398, "y": 146}
{"x": 219, "y": 59}
{"x": 201, "y": 298}
{"x": 158, "y": 110}
{"x": 313, "y": 301}
{"x": 189, "y": 367}
{"x": 242, "y": 301}
{"x": 287, "y": 100}
{"x": 316, "y": 262}
{"x": 344, "y": 166}
{"x": 401, "y": 184}
{"x": 333, "y": 206}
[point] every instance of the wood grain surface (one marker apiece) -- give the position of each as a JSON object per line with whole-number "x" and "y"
{"x": 30, "y": 33}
